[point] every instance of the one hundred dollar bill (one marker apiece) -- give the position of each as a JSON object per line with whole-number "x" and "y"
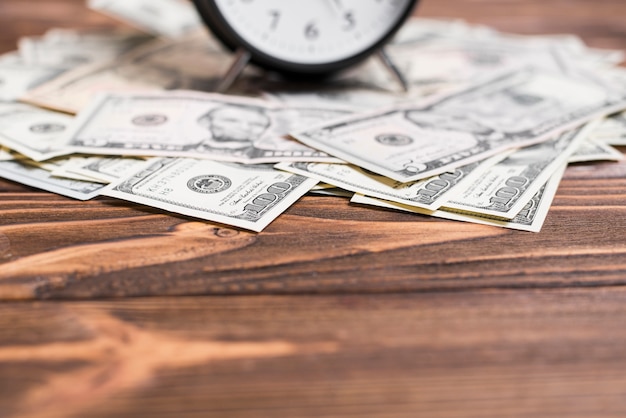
{"x": 505, "y": 188}
{"x": 531, "y": 217}
{"x": 195, "y": 125}
{"x": 245, "y": 196}
{"x": 171, "y": 18}
{"x": 514, "y": 110}
{"x": 41, "y": 178}
{"x": 429, "y": 193}
{"x": 33, "y": 132}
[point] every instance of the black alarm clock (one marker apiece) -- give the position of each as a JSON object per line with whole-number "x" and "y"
{"x": 303, "y": 38}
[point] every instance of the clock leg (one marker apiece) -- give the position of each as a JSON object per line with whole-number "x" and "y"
{"x": 397, "y": 75}
{"x": 242, "y": 57}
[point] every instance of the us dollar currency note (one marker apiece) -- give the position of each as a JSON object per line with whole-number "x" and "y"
{"x": 612, "y": 124}
{"x": 194, "y": 62}
{"x": 61, "y": 167}
{"x": 429, "y": 193}
{"x": 612, "y": 130}
{"x": 197, "y": 125}
{"x": 5, "y": 154}
{"x": 245, "y": 196}
{"x": 488, "y": 47}
{"x": 531, "y": 218}
{"x": 595, "y": 150}
{"x": 54, "y": 166}
{"x": 41, "y": 178}
{"x": 422, "y": 30}
{"x": 456, "y": 62}
{"x": 322, "y": 189}
{"x": 458, "y": 54}
{"x": 513, "y": 110}
{"x": 171, "y": 18}
{"x": 107, "y": 169}
{"x": 17, "y": 78}
{"x": 355, "y": 98}
{"x": 505, "y": 188}
{"x": 68, "y": 50}
{"x": 615, "y": 139}
{"x": 33, "y": 132}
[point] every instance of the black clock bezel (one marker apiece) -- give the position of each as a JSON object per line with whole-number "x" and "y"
{"x": 218, "y": 25}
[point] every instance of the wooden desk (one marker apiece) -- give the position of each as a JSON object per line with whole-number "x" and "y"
{"x": 334, "y": 310}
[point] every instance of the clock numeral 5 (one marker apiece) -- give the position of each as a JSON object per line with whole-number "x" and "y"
{"x": 350, "y": 22}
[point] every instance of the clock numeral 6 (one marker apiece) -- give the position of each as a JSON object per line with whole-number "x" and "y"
{"x": 311, "y": 31}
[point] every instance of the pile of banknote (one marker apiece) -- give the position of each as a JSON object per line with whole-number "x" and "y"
{"x": 484, "y": 133}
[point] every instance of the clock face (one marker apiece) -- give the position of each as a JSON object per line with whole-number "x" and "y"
{"x": 306, "y": 34}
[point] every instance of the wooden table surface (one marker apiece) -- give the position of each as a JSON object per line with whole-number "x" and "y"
{"x": 335, "y": 310}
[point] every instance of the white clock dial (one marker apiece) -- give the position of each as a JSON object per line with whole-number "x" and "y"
{"x": 312, "y": 31}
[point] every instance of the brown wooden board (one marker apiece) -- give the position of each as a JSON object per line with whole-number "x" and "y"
{"x": 381, "y": 313}
{"x": 481, "y": 354}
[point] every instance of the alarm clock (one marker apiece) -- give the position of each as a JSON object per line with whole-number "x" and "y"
{"x": 303, "y": 38}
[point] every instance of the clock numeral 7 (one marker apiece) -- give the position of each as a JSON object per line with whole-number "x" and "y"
{"x": 275, "y": 14}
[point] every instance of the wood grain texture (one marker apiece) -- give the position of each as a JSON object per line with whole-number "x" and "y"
{"x": 374, "y": 313}
{"x": 483, "y": 354}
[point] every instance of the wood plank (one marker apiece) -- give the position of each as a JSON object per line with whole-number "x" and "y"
{"x": 433, "y": 318}
{"x": 507, "y": 353}
{"x": 600, "y": 23}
